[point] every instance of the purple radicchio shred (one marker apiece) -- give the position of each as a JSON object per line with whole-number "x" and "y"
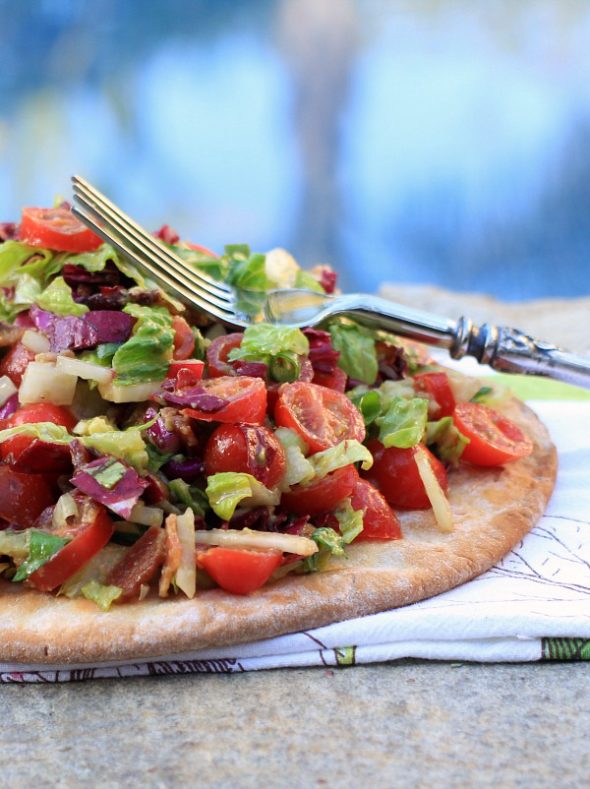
{"x": 64, "y": 332}
{"x": 328, "y": 279}
{"x": 322, "y": 354}
{"x": 24, "y": 321}
{"x": 121, "y": 498}
{"x": 297, "y": 526}
{"x": 80, "y": 454}
{"x": 108, "y": 298}
{"x": 190, "y": 397}
{"x": 78, "y": 275}
{"x": 8, "y": 231}
{"x": 252, "y": 369}
{"x": 166, "y": 441}
{"x": 167, "y": 235}
{"x": 156, "y": 491}
{"x": 9, "y": 407}
{"x": 257, "y": 518}
{"x": 187, "y": 469}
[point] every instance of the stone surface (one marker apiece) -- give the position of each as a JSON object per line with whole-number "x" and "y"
{"x": 405, "y": 724}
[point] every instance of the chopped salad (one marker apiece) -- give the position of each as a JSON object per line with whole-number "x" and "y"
{"x": 146, "y": 450}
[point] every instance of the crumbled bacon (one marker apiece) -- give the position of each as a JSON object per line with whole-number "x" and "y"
{"x": 173, "y": 556}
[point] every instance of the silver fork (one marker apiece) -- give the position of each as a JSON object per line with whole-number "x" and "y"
{"x": 500, "y": 347}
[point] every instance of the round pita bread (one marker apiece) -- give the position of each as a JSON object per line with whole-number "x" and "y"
{"x": 492, "y": 508}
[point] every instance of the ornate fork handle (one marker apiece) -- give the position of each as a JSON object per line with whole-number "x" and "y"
{"x": 500, "y": 347}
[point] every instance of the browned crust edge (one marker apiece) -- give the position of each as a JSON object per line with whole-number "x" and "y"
{"x": 493, "y": 510}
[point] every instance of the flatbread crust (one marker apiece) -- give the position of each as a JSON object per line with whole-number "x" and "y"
{"x": 492, "y": 508}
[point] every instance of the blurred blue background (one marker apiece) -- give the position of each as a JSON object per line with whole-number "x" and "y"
{"x": 417, "y": 142}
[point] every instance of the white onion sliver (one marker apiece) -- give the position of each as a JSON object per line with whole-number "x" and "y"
{"x": 44, "y": 383}
{"x": 7, "y": 389}
{"x": 86, "y": 370}
{"x": 436, "y": 495}
{"x": 247, "y": 538}
{"x": 135, "y": 393}
{"x": 186, "y": 575}
{"x": 65, "y": 508}
{"x": 146, "y": 516}
{"x": 35, "y": 341}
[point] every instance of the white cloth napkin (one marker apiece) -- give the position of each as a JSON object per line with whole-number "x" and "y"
{"x": 533, "y": 605}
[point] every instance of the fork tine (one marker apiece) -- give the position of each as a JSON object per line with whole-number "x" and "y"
{"x": 185, "y": 291}
{"x": 100, "y": 203}
{"x": 137, "y": 243}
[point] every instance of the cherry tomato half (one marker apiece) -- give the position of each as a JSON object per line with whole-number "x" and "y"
{"x": 321, "y": 495}
{"x": 89, "y": 536}
{"x": 218, "y": 351}
{"x": 321, "y": 416}
{"x": 23, "y": 497}
{"x": 196, "y": 367}
{"x": 395, "y": 473}
{"x": 240, "y": 571}
{"x": 184, "y": 339}
{"x": 16, "y": 362}
{"x": 57, "y": 229}
{"x": 245, "y": 400}
{"x": 493, "y": 439}
{"x": 246, "y": 448}
{"x": 27, "y": 453}
{"x": 438, "y": 387}
{"x": 379, "y": 521}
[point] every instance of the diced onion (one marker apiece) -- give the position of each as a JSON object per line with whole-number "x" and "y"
{"x": 186, "y": 575}
{"x": 440, "y": 503}
{"x": 35, "y": 341}
{"x": 135, "y": 393}
{"x": 44, "y": 383}
{"x": 7, "y": 389}
{"x": 281, "y": 268}
{"x": 86, "y": 370}
{"x": 65, "y": 508}
{"x": 146, "y": 516}
{"x": 247, "y": 538}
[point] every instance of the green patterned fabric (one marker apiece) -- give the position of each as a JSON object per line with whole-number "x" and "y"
{"x": 565, "y": 649}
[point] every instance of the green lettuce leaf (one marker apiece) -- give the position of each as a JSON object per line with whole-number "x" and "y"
{"x": 246, "y": 272}
{"x": 403, "y": 424}
{"x": 146, "y": 354}
{"x": 57, "y": 298}
{"x": 102, "y": 595}
{"x": 368, "y": 402}
{"x": 42, "y": 546}
{"x": 306, "y": 280}
{"x": 329, "y": 543}
{"x": 109, "y": 474}
{"x": 445, "y": 439}
{"x": 298, "y": 468}
{"x": 97, "y": 260}
{"x": 44, "y": 431}
{"x": 356, "y": 344}
{"x": 17, "y": 259}
{"x": 343, "y": 454}
{"x": 213, "y": 266}
{"x": 127, "y": 445}
{"x": 350, "y": 522}
{"x": 228, "y": 488}
{"x": 14, "y": 544}
{"x": 189, "y": 495}
{"x": 279, "y": 347}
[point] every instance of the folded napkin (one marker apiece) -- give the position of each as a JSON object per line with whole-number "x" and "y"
{"x": 533, "y": 605}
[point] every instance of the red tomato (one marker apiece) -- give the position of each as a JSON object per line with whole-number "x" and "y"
{"x": 438, "y": 387}
{"x": 321, "y": 495}
{"x": 245, "y": 400}
{"x": 240, "y": 571}
{"x": 336, "y": 380}
{"x": 184, "y": 339}
{"x": 395, "y": 473}
{"x": 493, "y": 439}
{"x": 322, "y": 417}
{"x": 27, "y": 453}
{"x": 196, "y": 367}
{"x": 379, "y": 521}
{"x": 23, "y": 497}
{"x": 57, "y": 229}
{"x": 88, "y": 538}
{"x": 218, "y": 351}
{"x": 140, "y": 564}
{"x": 16, "y": 362}
{"x": 245, "y": 448}
{"x": 203, "y": 250}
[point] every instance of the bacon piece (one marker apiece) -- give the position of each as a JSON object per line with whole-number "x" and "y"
{"x": 140, "y": 564}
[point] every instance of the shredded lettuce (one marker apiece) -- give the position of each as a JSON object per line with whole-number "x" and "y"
{"x": 350, "y": 521}
{"x": 368, "y": 402}
{"x": 101, "y": 594}
{"x": 14, "y": 544}
{"x": 97, "y": 260}
{"x": 42, "y": 546}
{"x": 57, "y": 298}
{"x": 445, "y": 439}
{"x": 109, "y": 474}
{"x": 343, "y": 454}
{"x": 306, "y": 280}
{"x": 146, "y": 354}
{"x": 298, "y": 469}
{"x": 246, "y": 270}
{"x": 44, "y": 431}
{"x": 329, "y": 543}
{"x": 189, "y": 495}
{"x": 279, "y": 347}
{"x": 18, "y": 259}
{"x": 403, "y": 424}
{"x": 125, "y": 445}
{"x": 228, "y": 488}
{"x": 356, "y": 344}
